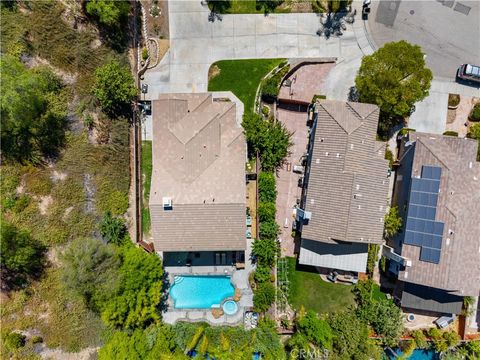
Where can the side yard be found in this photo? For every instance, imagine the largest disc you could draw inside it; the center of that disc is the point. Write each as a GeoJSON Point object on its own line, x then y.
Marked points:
{"type": "Point", "coordinates": [147, 180]}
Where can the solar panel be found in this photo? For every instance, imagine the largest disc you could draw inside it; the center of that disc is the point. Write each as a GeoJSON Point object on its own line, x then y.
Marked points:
{"type": "Point", "coordinates": [421, 229]}
{"type": "Point", "coordinates": [431, 172]}
{"type": "Point", "coordinates": [430, 255]}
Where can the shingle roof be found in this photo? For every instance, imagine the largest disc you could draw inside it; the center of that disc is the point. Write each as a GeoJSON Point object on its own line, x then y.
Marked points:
{"type": "Point", "coordinates": [347, 185]}
{"type": "Point", "coordinates": [458, 207]}
{"type": "Point", "coordinates": [199, 162]}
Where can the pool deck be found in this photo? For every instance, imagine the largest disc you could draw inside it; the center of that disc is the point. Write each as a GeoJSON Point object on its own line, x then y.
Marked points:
{"type": "Point", "coordinates": [239, 279]}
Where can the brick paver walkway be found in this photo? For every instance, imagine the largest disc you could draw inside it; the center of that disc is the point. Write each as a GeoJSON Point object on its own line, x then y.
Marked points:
{"type": "Point", "coordinates": [307, 81]}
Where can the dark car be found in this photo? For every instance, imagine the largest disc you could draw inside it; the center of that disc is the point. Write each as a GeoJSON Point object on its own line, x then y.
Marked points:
{"type": "Point", "coordinates": [469, 72]}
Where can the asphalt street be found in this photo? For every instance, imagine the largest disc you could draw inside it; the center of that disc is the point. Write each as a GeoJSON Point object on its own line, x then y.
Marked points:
{"type": "Point", "coordinates": [448, 31]}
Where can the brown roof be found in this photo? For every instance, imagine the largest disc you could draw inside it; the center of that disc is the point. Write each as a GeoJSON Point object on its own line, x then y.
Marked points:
{"type": "Point", "coordinates": [347, 186]}
{"type": "Point", "coordinates": [458, 207]}
{"type": "Point", "coordinates": [199, 155]}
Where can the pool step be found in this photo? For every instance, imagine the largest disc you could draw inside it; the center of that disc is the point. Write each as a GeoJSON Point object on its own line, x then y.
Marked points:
{"type": "Point", "coordinates": [178, 279]}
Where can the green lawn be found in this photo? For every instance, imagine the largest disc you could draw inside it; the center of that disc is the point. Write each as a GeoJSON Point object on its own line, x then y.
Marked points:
{"type": "Point", "coordinates": [147, 180]}
{"type": "Point", "coordinates": [307, 289]}
{"type": "Point", "coordinates": [249, 7]}
{"type": "Point", "coordinates": [242, 77]}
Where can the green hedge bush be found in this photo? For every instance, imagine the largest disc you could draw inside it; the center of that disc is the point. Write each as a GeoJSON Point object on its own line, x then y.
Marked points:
{"type": "Point", "coordinates": [475, 114]}
{"type": "Point", "coordinates": [266, 187]}
{"type": "Point", "coordinates": [264, 296]}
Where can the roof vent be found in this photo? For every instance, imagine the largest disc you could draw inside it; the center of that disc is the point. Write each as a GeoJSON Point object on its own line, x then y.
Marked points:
{"type": "Point", "coordinates": [357, 187]}
{"type": "Point", "coordinates": [167, 203]}
{"type": "Point", "coordinates": [470, 164]}
{"type": "Point", "coordinates": [317, 161]}
{"type": "Point", "coordinates": [338, 155]}
{"type": "Point", "coordinates": [321, 140]}
{"type": "Point", "coordinates": [312, 201]}
{"type": "Point", "coordinates": [448, 241]}
{"type": "Point", "coordinates": [351, 146]}
{"type": "Point", "coordinates": [359, 207]}
{"type": "Point", "coordinates": [450, 232]}
{"type": "Point", "coordinates": [326, 153]}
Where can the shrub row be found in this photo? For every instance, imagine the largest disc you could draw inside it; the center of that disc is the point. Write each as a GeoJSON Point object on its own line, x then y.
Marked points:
{"type": "Point", "coordinates": [266, 248]}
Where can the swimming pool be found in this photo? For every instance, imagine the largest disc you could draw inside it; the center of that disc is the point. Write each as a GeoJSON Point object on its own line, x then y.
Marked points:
{"type": "Point", "coordinates": [418, 354]}
{"type": "Point", "coordinates": [200, 292]}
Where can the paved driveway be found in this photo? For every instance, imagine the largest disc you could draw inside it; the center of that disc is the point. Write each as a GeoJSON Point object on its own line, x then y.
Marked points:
{"type": "Point", "coordinates": [195, 43]}
{"type": "Point", "coordinates": [447, 30]}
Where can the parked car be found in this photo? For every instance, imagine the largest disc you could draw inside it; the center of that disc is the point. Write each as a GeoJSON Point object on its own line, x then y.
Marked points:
{"type": "Point", "coordinates": [469, 72]}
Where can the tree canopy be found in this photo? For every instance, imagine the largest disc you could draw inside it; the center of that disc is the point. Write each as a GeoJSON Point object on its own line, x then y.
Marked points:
{"type": "Point", "coordinates": [382, 315]}
{"type": "Point", "coordinates": [136, 303]}
{"type": "Point", "coordinates": [33, 118]}
{"type": "Point", "coordinates": [350, 337]}
{"type": "Point", "coordinates": [394, 78]}
{"type": "Point", "coordinates": [114, 87]}
{"type": "Point", "coordinates": [316, 330]}
{"type": "Point", "coordinates": [91, 270]}
{"type": "Point", "coordinates": [21, 257]}
{"type": "Point", "coordinates": [109, 12]}
{"type": "Point", "coordinates": [270, 138]}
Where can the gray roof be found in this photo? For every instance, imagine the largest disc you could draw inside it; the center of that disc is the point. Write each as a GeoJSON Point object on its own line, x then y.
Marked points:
{"type": "Point", "coordinates": [199, 154]}
{"type": "Point", "coordinates": [430, 299]}
{"type": "Point", "coordinates": [341, 256]}
{"type": "Point", "coordinates": [347, 185]}
{"type": "Point", "coordinates": [458, 207]}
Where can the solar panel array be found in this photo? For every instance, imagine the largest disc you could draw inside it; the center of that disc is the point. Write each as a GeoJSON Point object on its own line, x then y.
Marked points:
{"type": "Point", "coordinates": [421, 228]}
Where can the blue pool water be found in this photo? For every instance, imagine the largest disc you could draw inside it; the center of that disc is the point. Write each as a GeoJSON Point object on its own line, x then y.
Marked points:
{"type": "Point", "coordinates": [419, 354]}
{"type": "Point", "coordinates": [230, 307]}
{"type": "Point", "coordinates": [200, 292]}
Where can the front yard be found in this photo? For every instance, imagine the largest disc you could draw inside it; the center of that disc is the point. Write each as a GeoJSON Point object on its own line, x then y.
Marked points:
{"type": "Point", "coordinates": [307, 289]}
{"type": "Point", "coordinates": [241, 77]}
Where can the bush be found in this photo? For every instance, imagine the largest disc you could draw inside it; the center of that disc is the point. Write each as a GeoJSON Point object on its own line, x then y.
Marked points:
{"type": "Point", "coordinates": [453, 100]}
{"type": "Point", "coordinates": [144, 54]}
{"type": "Point", "coordinates": [317, 6]}
{"type": "Point", "coordinates": [114, 87]}
{"type": "Point", "coordinates": [420, 339]}
{"type": "Point", "coordinates": [262, 273]}
{"type": "Point", "coordinates": [265, 110]}
{"type": "Point", "coordinates": [266, 187]}
{"type": "Point", "coordinates": [316, 330]}
{"type": "Point", "coordinates": [264, 296]}
{"type": "Point", "coordinates": [109, 13]}
{"type": "Point", "coordinates": [271, 86]}
{"type": "Point", "coordinates": [265, 250]}
{"type": "Point", "coordinates": [475, 114]}
{"type": "Point", "coordinates": [269, 230]}
{"type": "Point", "coordinates": [372, 257]}
{"type": "Point", "coordinates": [389, 157]}
{"type": "Point", "coordinates": [451, 133]}
{"type": "Point", "coordinates": [113, 229]}
{"type": "Point", "coordinates": [21, 256]}
{"type": "Point", "coordinates": [14, 341]}
{"type": "Point", "coordinates": [267, 211]}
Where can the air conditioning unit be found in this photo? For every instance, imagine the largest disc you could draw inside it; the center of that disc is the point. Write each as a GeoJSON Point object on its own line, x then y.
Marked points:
{"type": "Point", "coordinates": [167, 202]}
